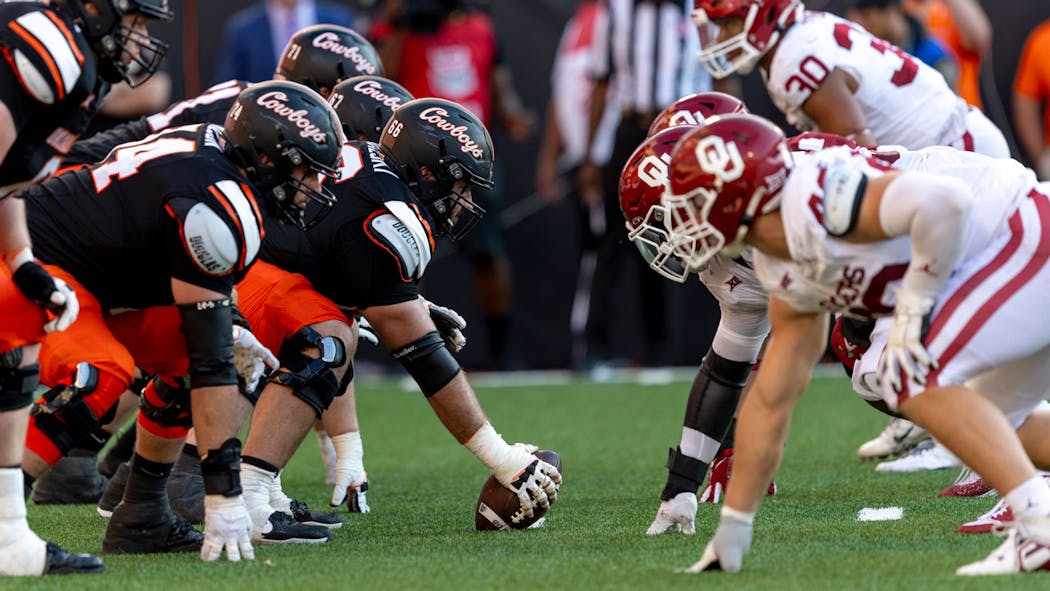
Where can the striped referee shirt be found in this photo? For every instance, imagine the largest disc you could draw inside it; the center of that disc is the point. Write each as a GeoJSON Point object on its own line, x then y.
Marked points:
{"type": "Point", "coordinates": [647, 51]}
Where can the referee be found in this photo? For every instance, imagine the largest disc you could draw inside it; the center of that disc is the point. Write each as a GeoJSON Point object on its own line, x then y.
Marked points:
{"type": "Point", "coordinates": [643, 59]}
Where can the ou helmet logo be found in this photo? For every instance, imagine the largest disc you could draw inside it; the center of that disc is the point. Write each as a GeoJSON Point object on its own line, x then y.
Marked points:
{"type": "Point", "coordinates": [653, 170]}
{"type": "Point", "coordinates": [720, 158]}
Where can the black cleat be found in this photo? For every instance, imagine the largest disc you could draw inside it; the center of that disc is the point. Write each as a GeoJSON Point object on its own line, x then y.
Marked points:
{"type": "Point", "coordinates": [286, 530]}
{"type": "Point", "coordinates": [114, 492]}
{"type": "Point", "coordinates": [186, 489]}
{"type": "Point", "coordinates": [302, 514]}
{"type": "Point", "coordinates": [59, 562]}
{"type": "Point", "coordinates": [73, 480]}
{"type": "Point", "coordinates": [148, 528]}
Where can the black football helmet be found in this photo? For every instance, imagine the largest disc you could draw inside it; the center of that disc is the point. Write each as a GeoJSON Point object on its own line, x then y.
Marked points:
{"type": "Point", "coordinates": [322, 55]}
{"type": "Point", "coordinates": [112, 41]}
{"type": "Point", "coordinates": [365, 103]}
{"type": "Point", "coordinates": [274, 127]}
{"type": "Point", "coordinates": [453, 145]}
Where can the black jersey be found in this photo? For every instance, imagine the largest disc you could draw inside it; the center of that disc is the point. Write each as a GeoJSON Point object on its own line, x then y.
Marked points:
{"type": "Point", "coordinates": [342, 256]}
{"type": "Point", "coordinates": [49, 81]}
{"type": "Point", "coordinates": [210, 107]}
{"type": "Point", "coordinates": [172, 205]}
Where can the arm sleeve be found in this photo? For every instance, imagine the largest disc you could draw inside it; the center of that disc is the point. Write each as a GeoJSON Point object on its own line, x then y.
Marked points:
{"type": "Point", "coordinates": [98, 146]}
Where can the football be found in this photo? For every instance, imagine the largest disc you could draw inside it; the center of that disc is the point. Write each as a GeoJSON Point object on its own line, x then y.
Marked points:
{"type": "Point", "coordinates": [496, 504]}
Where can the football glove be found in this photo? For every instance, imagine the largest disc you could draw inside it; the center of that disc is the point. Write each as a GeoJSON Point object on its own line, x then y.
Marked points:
{"type": "Point", "coordinates": [351, 480]}
{"type": "Point", "coordinates": [48, 292]}
{"type": "Point", "coordinates": [675, 514]}
{"type": "Point", "coordinates": [365, 332]}
{"type": "Point", "coordinates": [226, 525]}
{"type": "Point", "coordinates": [731, 542]}
{"type": "Point", "coordinates": [251, 358]}
{"type": "Point", "coordinates": [449, 324]}
{"type": "Point", "coordinates": [904, 353]}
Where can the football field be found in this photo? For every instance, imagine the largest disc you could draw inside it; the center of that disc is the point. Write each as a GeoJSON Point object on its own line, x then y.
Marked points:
{"type": "Point", "coordinates": [613, 439]}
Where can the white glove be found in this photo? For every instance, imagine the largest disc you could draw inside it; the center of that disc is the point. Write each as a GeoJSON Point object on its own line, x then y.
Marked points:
{"type": "Point", "coordinates": [226, 525]}
{"type": "Point", "coordinates": [66, 299]}
{"type": "Point", "coordinates": [676, 514]}
{"type": "Point", "coordinates": [731, 542]}
{"type": "Point", "coordinates": [449, 324]}
{"type": "Point", "coordinates": [365, 332]}
{"type": "Point", "coordinates": [904, 352]}
{"type": "Point", "coordinates": [251, 357]}
{"type": "Point", "coordinates": [351, 480]}
{"type": "Point", "coordinates": [534, 481]}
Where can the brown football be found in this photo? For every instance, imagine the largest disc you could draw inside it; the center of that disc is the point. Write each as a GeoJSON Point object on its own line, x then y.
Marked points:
{"type": "Point", "coordinates": [496, 504]}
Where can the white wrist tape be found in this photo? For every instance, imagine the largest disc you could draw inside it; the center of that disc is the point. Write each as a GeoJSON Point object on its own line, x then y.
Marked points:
{"type": "Point", "coordinates": [488, 446]}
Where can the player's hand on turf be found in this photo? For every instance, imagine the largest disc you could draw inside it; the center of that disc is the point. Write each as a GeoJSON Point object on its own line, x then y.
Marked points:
{"type": "Point", "coordinates": [226, 526]}
{"type": "Point", "coordinates": [48, 292]}
{"type": "Point", "coordinates": [449, 324]}
{"type": "Point", "coordinates": [727, 548]}
{"type": "Point", "coordinates": [365, 331]}
{"type": "Point", "coordinates": [354, 492]}
{"type": "Point", "coordinates": [905, 353]}
{"type": "Point", "coordinates": [534, 481]}
{"type": "Point", "coordinates": [250, 357]}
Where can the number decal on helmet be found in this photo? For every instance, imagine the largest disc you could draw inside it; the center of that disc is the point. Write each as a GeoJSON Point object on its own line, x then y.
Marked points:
{"type": "Point", "coordinates": [720, 158]}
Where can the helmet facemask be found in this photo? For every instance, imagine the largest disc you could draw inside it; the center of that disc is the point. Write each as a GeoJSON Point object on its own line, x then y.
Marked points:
{"type": "Point", "coordinates": [284, 186]}
{"type": "Point", "coordinates": [455, 213]}
{"type": "Point", "coordinates": [125, 53]}
{"type": "Point", "coordinates": [652, 240]}
{"type": "Point", "coordinates": [734, 54]}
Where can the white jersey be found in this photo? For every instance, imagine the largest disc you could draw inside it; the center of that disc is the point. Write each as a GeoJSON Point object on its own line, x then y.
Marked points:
{"type": "Point", "coordinates": [733, 282]}
{"type": "Point", "coordinates": [830, 274]}
{"type": "Point", "coordinates": [905, 102]}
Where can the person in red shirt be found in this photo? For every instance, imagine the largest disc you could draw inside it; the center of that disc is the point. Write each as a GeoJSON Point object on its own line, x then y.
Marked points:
{"type": "Point", "coordinates": [445, 49]}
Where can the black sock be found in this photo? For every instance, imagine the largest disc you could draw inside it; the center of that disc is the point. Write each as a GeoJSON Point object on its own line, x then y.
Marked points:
{"type": "Point", "coordinates": [27, 479]}
{"type": "Point", "coordinates": [147, 480]}
{"type": "Point", "coordinates": [728, 440]}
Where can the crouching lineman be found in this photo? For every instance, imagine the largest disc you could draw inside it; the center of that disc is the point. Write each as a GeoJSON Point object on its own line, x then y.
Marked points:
{"type": "Point", "coordinates": [176, 221]}
{"type": "Point", "coordinates": [59, 63]}
{"type": "Point", "coordinates": [369, 253]}
{"type": "Point", "coordinates": [955, 257]}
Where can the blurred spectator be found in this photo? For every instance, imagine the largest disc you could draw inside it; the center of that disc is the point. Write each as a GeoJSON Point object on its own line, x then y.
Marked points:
{"type": "Point", "coordinates": [965, 29]}
{"type": "Point", "coordinates": [887, 20]}
{"type": "Point", "coordinates": [564, 147]}
{"type": "Point", "coordinates": [1032, 100]}
{"type": "Point", "coordinates": [644, 59]}
{"type": "Point", "coordinates": [124, 103]}
{"type": "Point", "coordinates": [448, 49]}
{"type": "Point", "coordinates": [254, 38]}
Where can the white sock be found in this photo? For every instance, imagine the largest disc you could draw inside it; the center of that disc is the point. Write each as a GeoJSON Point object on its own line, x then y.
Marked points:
{"type": "Point", "coordinates": [22, 552]}
{"type": "Point", "coordinates": [256, 484]}
{"type": "Point", "coordinates": [278, 500]}
{"type": "Point", "coordinates": [1031, 498]}
{"type": "Point", "coordinates": [698, 446]}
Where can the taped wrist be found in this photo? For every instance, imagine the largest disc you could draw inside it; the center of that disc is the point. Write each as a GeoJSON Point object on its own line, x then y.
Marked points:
{"type": "Point", "coordinates": [429, 362]}
{"type": "Point", "coordinates": [684, 474]}
{"type": "Point", "coordinates": [207, 327]}
{"type": "Point", "coordinates": [221, 469]}
{"type": "Point", "coordinates": [17, 383]}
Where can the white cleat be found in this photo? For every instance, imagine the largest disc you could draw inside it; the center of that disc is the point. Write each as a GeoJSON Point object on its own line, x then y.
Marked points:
{"type": "Point", "coordinates": [676, 514]}
{"type": "Point", "coordinates": [899, 437]}
{"type": "Point", "coordinates": [1018, 554]}
{"type": "Point", "coordinates": [931, 456]}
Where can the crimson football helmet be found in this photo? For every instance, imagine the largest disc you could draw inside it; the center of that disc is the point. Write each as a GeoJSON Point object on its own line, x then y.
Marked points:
{"type": "Point", "coordinates": [642, 184]}
{"type": "Point", "coordinates": [735, 34]}
{"type": "Point", "coordinates": [693, 109]}
{"type": "Point", "coordinates": [721, 177]}
{"type": "Point", "coordinates": [322, 55]}
{"type": "Point", "coordinates": [112, 41]}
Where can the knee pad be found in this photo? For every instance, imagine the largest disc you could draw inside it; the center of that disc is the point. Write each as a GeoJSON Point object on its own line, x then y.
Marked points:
{"type": "Point", "coordinates": [165, 410]}
{"type": "Point", "coordinates": [63, 416]}
{"type": "Point", "coordinates": [312, 380]}
{"type": "Point", "coordinates": [429, 362]}
{"type": "Point", "coordinates": [17, 383]}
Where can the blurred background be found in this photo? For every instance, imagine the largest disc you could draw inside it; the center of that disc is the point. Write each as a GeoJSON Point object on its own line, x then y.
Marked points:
{"type": "Point", "coordinates": [542, 236]}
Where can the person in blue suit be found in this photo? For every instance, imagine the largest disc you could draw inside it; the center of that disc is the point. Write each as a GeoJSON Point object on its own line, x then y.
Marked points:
{"type": "Point", "coordinates": [254, 38]}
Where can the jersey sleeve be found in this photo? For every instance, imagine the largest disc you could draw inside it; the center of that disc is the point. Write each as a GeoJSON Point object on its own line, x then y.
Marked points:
{"type": "Point", "coordinates": [97, 147]}
{"type": "Point", "coordinates": [210, 107]}
{"type": "Point", "coordinates": [43, 55]}
{"type": "Point", "coordinates": [804, 58]}
{"type": "Point", "coordinates": [370, 275]}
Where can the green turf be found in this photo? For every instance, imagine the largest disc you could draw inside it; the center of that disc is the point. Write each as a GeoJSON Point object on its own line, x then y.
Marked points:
{"type": "Point", "coordinates": [613, 441]}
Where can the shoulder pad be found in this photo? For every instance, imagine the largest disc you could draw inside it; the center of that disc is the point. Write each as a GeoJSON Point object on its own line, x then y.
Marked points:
{"type": "Point", "coordinates": [44, 55]}
{"type": "Point", "coordinates": [844, 188]}
{"type": "Point", "coordinates": [225, 235]}
{"type": "Point", "coordinates": [401, 231]}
